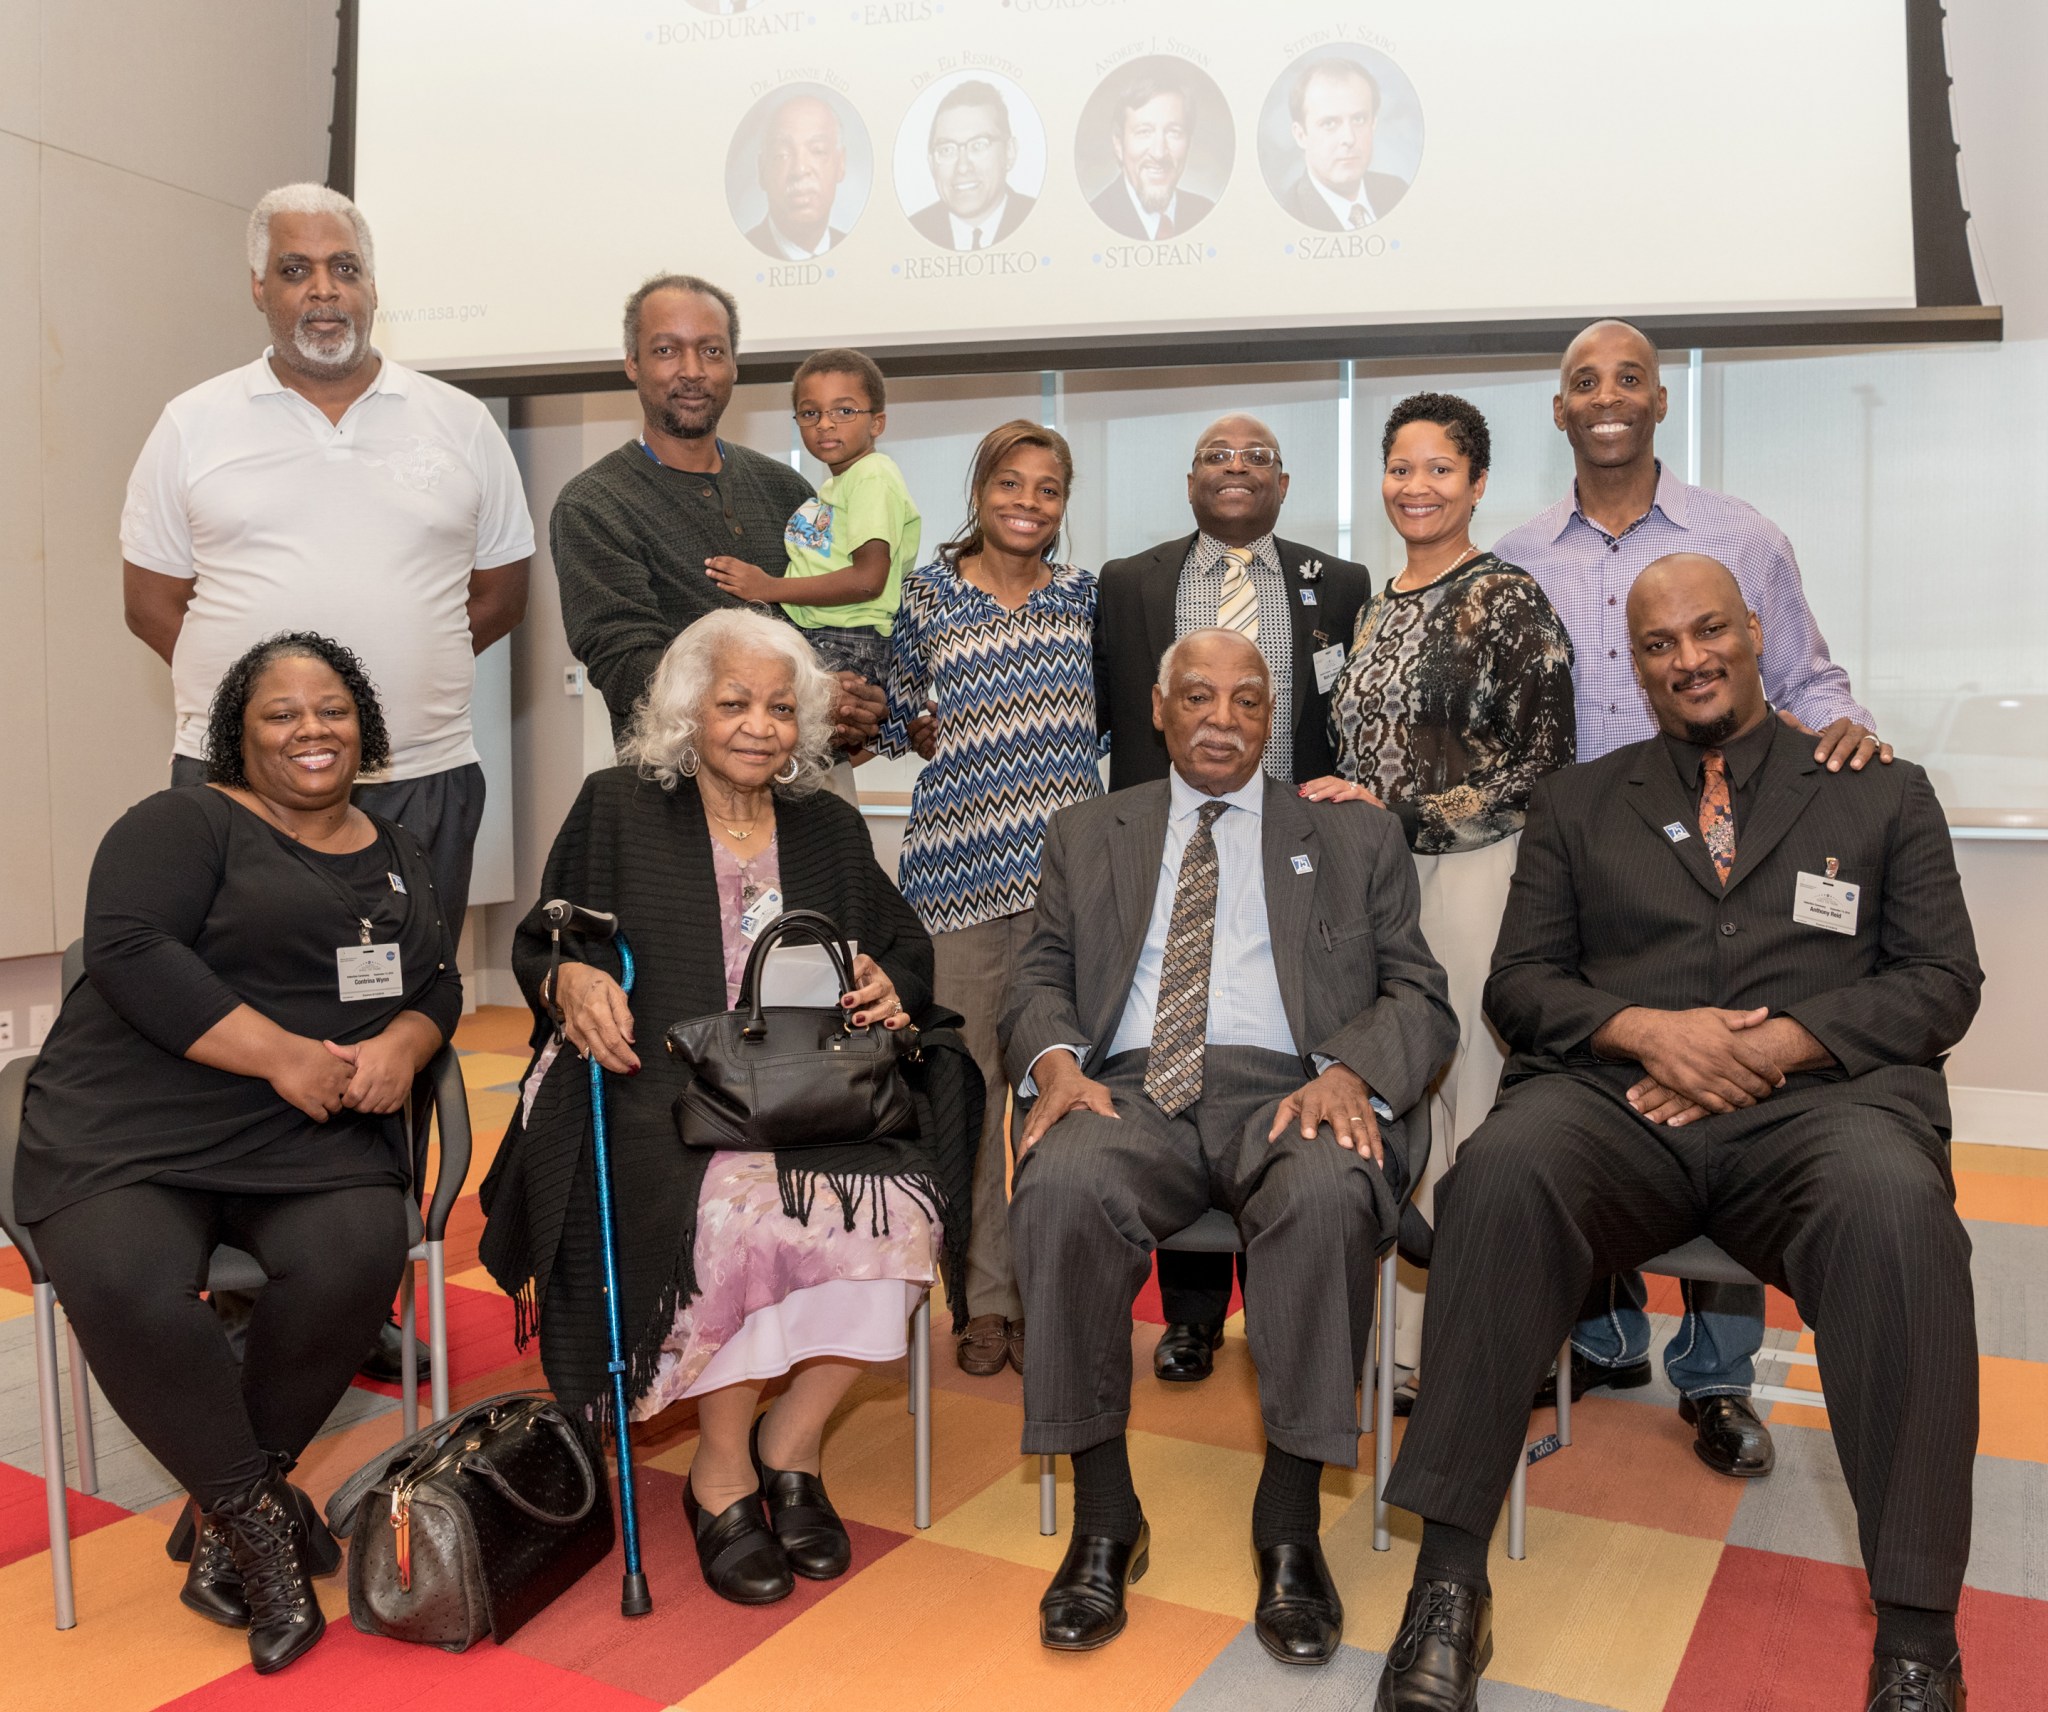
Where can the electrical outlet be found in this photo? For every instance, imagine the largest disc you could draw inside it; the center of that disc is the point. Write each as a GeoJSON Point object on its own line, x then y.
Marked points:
{"type": "Point", "coordinates": [6, 1031]}
{"type": "Point", "coordinates": [39, 1019]}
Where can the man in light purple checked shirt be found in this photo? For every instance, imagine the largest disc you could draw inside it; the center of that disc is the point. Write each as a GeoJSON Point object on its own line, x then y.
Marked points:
{"type": "Point", "coordinates": [1626, 511]}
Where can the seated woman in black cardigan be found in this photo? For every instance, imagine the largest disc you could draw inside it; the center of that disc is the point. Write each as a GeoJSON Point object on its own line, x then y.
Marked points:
{"type": "Point", "coordinates": [266, 972]}
{"type": "Point", "coordinates": [735, 1267]}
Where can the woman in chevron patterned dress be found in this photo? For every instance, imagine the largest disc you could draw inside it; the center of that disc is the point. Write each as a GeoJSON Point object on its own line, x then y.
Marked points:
{"type": "Point", "coordinates": [994, 647]}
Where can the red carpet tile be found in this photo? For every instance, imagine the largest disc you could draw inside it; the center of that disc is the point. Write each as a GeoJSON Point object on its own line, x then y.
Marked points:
{"type": "Point", "coordinates": [691, 1634]}
{"type": "Point", "coordinates": [352, 1672]}
{"type": "Point", "coordinates": [1796, 1634]}
{"type": "Point", "coordinates": [479, 1335]}
{"type": "Point", "coordinates": [24, 1522]}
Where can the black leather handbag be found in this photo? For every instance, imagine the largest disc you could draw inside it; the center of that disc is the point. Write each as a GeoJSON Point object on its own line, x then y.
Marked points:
{"type": "Point", "coordinates": [787, 1076]}
{"type": "Point", "coordinates": [472, 1525]}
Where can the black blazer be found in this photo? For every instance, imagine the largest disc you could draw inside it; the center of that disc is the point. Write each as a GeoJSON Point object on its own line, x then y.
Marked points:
{"type": "Point", "coordinates": [1382, 190]}
{"type": "Point", "coordinates": [1607, 911]}
{"type": "Point", "coordinates": [1134, 602]}
{"type": "Point", "coordinates": [931, 222]}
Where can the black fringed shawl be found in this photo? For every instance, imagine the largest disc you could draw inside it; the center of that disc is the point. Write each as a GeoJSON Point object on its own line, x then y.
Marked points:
{"type": "Point", "coordinates": [644, 853]}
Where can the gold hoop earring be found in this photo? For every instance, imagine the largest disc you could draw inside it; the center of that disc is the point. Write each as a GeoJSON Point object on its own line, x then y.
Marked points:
{"type": "Point", "coordinates": [788, 776]}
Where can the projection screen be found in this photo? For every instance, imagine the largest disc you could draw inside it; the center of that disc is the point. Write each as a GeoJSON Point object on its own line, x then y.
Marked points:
{"type": "Point", "coordinates": [944, 174]}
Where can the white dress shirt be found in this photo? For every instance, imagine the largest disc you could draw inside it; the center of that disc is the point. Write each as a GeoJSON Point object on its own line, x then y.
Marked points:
{"type": "Point", "coordinates": [1341, 206]}
{"type": "Point", "coordinates": [1146, 218]}
{"type": "Point", "coordinates": [797, 252]}
{"type": "Point", "coordinates": [988, 226]}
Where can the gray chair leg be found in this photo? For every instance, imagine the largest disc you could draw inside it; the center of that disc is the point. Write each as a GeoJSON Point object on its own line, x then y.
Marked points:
{"type": "Point", "coordinates": [81, 1412]}
{"type": "Point", "coordinates": [1518, 1509]}
{"type": "Point", "coordinates": [921, 1390]}
{"type": "Point", "coordinates": [1048, 1498]}
{"type": "Point", "coordinates": [437, 1304]}
{"type": "Point", "coordinates": [1564, 1393]}
{"type": "Point", "coordinates": [1383, 1425]}
{"type": "Point", "coordinates": [50, 1411]}
{"type": "Point", "coordinates": [409, 1360]}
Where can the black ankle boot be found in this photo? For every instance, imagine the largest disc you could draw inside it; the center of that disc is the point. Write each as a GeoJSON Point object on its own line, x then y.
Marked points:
{"type": "Point", "coordinates": [323, 1550]}
{"type": "Point", "coordinates": [213, 1585]}
{"type": "Point", "coordinates": [269, 1544]}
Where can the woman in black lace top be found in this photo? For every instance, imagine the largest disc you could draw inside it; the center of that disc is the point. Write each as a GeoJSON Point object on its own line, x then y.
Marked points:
{"type": "Point", "coordinates": [1456, 699]}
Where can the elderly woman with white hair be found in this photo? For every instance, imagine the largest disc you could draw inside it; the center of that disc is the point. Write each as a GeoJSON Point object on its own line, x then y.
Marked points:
{"type": "Point", "coordinates": [734, 1268]}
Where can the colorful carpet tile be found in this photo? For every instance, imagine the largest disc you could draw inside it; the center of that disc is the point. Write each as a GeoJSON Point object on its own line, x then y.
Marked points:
{"type": "Point", "coordinates": [1650, 1584]}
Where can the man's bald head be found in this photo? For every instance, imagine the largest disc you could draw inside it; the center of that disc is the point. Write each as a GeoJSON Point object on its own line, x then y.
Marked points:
{"type": "Point", "coordinates": [1615, 333]}
{"type": "Point", "coordinates": [1609, 402]}
{"type": "Point", "coordinates": [1697, 649]}
{"type": "Point", "coordinates": [1234, 499]}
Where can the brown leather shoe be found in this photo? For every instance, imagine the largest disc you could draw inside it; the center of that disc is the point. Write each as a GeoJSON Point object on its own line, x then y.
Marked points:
{"type": "Point", "coordinates": [984, 1348]}
{"type": "Point", "coordinates": [1015, 1340]}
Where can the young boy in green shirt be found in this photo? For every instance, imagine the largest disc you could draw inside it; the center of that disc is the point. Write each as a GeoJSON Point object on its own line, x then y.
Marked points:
{"type": "Point", "coordinates": [849, 547]}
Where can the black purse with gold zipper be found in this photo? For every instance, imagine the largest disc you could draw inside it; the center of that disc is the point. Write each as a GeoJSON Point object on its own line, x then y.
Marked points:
{"type": "Point", "coordinates": [473, 1524]}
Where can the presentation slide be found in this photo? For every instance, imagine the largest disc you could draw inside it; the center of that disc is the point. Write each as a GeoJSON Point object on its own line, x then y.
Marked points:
{"type": "Point", "coordinates": [919, 173]}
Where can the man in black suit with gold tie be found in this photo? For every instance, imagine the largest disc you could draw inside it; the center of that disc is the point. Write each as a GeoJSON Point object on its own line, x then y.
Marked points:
{"type": "Point", "coordinates": [1727, 977]}
{"type": "Point", "coordinates": [1297, 605]}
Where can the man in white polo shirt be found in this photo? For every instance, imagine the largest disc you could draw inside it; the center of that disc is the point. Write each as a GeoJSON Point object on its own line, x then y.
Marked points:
{"type": "Point", "coordinates": [325, 487]}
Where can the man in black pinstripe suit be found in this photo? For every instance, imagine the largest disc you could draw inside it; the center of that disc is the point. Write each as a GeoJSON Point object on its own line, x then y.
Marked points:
{"type": "Point", "coordinates": [1727, 977]}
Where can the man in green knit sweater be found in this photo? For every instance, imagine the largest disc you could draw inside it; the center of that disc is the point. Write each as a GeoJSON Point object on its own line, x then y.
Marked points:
{"type": "Point", "coordinates": [630, 535]}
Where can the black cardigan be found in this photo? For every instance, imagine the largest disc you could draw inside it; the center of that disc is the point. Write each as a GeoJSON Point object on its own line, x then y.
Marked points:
{"type": "Point", "coordinates": [644, 853]}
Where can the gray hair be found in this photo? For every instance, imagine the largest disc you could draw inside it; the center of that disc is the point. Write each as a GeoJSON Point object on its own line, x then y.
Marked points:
{"type": "Point", "coordinates": [668, 717]}
{"type": "Point", "coordinates": [306, 199]}
{"type": "Point", "coordinates": [1171, 658]}
{"type": "Point", "coordinates": [689, 282]}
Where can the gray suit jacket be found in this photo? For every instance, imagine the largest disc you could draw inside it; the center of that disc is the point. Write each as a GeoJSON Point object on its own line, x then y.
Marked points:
{"type": "Point", "coordinates": [1607, 911]}
{"type": "Point", "coordinates": [1358, 982]}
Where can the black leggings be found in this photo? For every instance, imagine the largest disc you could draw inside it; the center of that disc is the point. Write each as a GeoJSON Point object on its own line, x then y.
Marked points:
{"type": "Point", "coordinates": [129, 1266]}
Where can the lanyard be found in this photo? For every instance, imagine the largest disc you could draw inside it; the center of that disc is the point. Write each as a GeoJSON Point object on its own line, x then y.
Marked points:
{"type": "Point", "coordinates": [365, 926]}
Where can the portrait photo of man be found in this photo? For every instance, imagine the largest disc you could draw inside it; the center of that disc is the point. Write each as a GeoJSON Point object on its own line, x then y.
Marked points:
{"type": "Point", "coordinates": [798, 172]}
{"type": "Point", "coordinates": [1334, 109]}
{"type": "Point", "coordinates": [800, 169]}
{"type": "Point", "coordinates": [1157, 116]}
{"type": "Point", "coordinates": [972, 153]}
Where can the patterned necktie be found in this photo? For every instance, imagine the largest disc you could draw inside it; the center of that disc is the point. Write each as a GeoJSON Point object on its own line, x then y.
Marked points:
{"type": "Point", "coordinates": [1237, 607]}
{"type": "Point", "coordinates": [1717, 813]}
{"type": "Point", "coordinates": [1180, 1018]}
{"type": "Point", "coordinates": [1357, 216]}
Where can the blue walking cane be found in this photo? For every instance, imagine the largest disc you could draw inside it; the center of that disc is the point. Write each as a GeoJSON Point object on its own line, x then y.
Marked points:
{"type": "Point", "coordinates": [562, 916]}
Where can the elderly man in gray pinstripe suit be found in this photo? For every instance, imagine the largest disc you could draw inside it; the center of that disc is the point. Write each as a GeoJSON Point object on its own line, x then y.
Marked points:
{"type": "Point", "coordinates": [1727, 977]}
{"type": "Point", "coordinates": [1226, 1002]}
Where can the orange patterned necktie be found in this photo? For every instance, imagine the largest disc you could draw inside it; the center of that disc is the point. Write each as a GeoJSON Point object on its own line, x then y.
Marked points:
{"type": "Point", "coordinates": [1717, 813]}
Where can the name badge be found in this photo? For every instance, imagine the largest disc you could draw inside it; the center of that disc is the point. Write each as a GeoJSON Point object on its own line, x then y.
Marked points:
{"type": "Point", "coordinates": [760, 913]}
{"type": "Point", "coordinates": [368, 972]}
{"type": "Point", "coordinates": [1819, 901]}
{"type": "Point", "coordinates": [1328, 662]}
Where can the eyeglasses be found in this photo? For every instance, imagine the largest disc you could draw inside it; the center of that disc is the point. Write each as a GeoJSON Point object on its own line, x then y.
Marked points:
{"type": "Point", "coordinates": [838, 413]}
{"type": "Point", "coordinates": [1252, 457]}
{"type": "Point", "coordinates": [978, 149]}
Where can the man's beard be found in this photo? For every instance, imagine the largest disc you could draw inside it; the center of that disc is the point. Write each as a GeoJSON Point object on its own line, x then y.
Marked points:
{"type": "Point", "coordinates": [1714, 732]}
{"type": "Point", "coordinates": [671, 424]}
{"type": "Point", "coordinates": [333, 361]}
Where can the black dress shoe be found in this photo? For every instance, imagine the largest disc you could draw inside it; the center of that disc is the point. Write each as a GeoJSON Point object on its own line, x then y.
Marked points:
{"type": "Point", "coordinates": [1593, 1376]}
{"type": "Point", "coordinates": [1084, 1607]}
{"type": "Point", "coordinates": [1300, 1619]}
{"type": "Point", "coordinates": [1728, 1437]}
{"type": "Point", "coordinates": [1186, 1354]}
{"type": "Point", "coordinates": [1444, 1647]}
{"type": "Point", "coordinates": [269, 1545]}
{"type": "Point", "coordinates": [385, 1362]}
{"type": "Point", "coordinates": [812, 1535]}
{"type": "Point", "coordinates": [741, 1560]}
{"type": "Point", "coordinates": [213, 1585]}
{"type": "Point", "coordinates": [1904, 1685]}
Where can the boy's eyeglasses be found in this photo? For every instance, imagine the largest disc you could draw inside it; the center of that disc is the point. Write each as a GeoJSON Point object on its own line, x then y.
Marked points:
{"type": "Point", "coordinates": [838, 413]}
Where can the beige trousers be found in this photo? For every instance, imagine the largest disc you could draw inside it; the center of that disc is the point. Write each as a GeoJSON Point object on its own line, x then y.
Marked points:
{"type": "Point", "coordinates": [1464, 895]}
{"type": "Point", "coordinates": [972, 972]}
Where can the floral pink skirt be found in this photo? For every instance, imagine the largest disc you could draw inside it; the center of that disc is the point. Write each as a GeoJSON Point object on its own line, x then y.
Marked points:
{"type": "Point", "coordinates": [773, 1292]}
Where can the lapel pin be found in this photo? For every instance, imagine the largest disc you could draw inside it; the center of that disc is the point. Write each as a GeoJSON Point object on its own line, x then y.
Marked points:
{"type": "Point", "coordinates": [1308, 596]}
{"type": "Point", "coordinates": [1834, 867]}
{"type": "Point", "coordinates": [1676, 832]}
{"type": "Point", "coordinates": [1302, 865]}
{"type": "Point", "coordinates": [1311, 570]}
